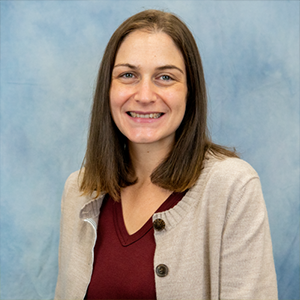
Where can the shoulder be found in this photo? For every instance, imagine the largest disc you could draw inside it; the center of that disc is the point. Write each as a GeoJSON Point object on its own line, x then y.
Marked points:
{"type": "Point", "coordinates": [229, 169]}
{"type": "Point", "coordinates": [225, 178]}
{"type": "Point", "coordinates": [73, 197]}
{"type": "Point", "coordinates": [73, 181]}
{"type": "Point", "coordinates": [230, 182]}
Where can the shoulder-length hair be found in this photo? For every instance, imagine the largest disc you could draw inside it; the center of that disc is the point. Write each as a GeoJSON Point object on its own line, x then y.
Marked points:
{"type": "Point", "coordinates": [107, 165]}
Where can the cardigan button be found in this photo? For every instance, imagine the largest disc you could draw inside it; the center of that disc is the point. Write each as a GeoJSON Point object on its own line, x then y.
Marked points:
{"type": "Point", "coordinates": [162, 270]}
{"type": "Point", "coordinates": [159, 224]}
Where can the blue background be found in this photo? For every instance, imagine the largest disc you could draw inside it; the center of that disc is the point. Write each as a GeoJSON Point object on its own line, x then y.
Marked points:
{"type": "Point", "coordinates": [50, 53]}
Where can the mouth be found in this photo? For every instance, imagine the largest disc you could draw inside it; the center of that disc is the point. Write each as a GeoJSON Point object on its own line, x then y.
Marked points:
{"type": "Point", "coordinates": [145, 116]}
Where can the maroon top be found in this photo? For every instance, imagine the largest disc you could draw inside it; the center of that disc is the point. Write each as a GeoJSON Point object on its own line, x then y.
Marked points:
{"type": "Point", "coordinates": [123, 263]}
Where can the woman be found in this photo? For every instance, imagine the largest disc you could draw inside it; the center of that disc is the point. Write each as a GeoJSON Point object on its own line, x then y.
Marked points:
{"type": "Point", "coordinates": [158, 211]}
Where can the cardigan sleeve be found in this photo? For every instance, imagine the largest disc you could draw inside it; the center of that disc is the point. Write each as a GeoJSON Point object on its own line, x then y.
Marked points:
{"type": "Point", "coordinates": [77, 238]}
{"type": "Point", "coordinates": [246, 262]}
{"type": "Point", "coordinates": [69, 281]}
{"type": "Point", "coordinates": [60, 284]}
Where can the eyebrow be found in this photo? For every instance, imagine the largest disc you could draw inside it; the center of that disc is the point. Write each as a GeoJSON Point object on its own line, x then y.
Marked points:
{"type": "Point", "coordinates": [126, 65]}
{"type": "Point", "coordinates": [159, 68]}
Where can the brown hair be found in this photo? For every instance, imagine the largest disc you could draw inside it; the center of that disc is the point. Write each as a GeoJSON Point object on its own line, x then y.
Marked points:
{"type": "Point", "coordinates": [107, 165]}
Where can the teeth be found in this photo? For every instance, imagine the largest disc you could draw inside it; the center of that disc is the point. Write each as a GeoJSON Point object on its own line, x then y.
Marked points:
{"type": "Point", "coordinates": [145, 116]}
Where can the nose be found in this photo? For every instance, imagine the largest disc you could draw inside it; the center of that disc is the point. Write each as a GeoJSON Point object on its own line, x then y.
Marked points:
{"type": "Point", "coordinates": [146, 91]}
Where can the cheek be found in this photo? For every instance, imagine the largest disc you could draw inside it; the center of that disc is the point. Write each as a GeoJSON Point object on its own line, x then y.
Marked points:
{"type": "Point", "coordinates": [113, 103]}
{"type": "Point", "coordinates": [119, 93]}
{"type": "Point", "coordinates": [178, 99]}
{"type": "Point", "coordinates": [181, 107]}
{"type": "Point", "coordinates": [114, 95]}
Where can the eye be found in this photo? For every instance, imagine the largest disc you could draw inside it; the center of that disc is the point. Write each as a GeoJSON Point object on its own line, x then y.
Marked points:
{"type": "Point", "coordinates": [165, 80]}
{"type": "Point", "coordinates": [166, 77]}
{"type": "Point", "coordinates": [127, 75]}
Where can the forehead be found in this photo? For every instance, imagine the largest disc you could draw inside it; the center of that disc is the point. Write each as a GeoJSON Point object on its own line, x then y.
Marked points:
{"type": "Point", "coordinates": [156, 47]}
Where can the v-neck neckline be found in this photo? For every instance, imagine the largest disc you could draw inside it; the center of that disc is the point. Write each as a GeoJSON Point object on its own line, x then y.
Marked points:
{"type": "Point", "coordinates": [125, 238]}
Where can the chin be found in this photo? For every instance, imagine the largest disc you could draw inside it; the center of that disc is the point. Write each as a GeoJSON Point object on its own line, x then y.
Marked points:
{"type": "Point", "coordinates": [142, 141]}
{"type": "Point", "coordinates": [152, 140]}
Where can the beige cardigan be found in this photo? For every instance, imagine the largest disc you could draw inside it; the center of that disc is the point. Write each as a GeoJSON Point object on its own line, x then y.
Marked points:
{"type": "Point", "coordinates": [216, 243]}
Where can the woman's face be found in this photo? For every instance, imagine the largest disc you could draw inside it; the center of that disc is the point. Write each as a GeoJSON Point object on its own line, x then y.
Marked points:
{"type": "Point", "coordinates": [148, 90]}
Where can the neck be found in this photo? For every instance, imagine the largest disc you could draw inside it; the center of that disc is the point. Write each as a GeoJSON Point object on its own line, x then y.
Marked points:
{"type": "Point", "coordinates": [146, 157]}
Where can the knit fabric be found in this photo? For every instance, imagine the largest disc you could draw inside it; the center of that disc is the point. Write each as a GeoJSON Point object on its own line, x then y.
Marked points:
{"type": "Point", "coordinates": [216, 242]}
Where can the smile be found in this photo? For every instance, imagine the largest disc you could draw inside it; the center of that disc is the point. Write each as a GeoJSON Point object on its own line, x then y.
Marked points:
{"type": "Point", "coordinates": [145, 116]}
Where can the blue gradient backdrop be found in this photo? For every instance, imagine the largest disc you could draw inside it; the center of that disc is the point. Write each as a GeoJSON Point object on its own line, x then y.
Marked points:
{"type": "Point", "coordinates": [50, 53]}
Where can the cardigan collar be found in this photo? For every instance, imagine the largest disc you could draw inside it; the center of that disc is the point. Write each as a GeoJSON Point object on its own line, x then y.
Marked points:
{"type": "Point", "coordinates": [92, 208]}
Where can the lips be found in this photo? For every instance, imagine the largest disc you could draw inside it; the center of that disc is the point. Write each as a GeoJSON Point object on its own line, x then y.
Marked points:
{"type": "Point", "coordinates": [144, 116]}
